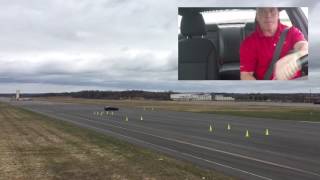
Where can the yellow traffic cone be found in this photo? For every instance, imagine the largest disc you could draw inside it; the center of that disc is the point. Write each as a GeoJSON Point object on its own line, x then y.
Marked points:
{"type": "Point", "coordinates": [267, 132]}
{"type": "Point", "coordinates": [141, 118]}
{"type": "Point", "coordinates": [229, 127]}
{"type": "Point", "coordinates": [247, 134]}
{"type": "Point", "coordinates": [210, 128]}
{"type": "Point", "coordinates": [127, 118]}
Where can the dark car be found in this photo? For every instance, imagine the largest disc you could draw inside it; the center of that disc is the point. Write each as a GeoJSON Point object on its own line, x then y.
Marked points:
{"type": "Point", "coordinates": [316, 102]}
{"type": "Point", "coordinates": [210, 39]}
{"type": "Point", "coordinates": [110, 108]}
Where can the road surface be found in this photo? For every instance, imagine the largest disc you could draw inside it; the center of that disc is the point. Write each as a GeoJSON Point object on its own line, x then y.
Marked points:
{"type": "Point", "coordinates": [290, 151]}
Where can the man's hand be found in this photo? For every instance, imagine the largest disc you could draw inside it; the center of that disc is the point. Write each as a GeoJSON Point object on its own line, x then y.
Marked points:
{"type": "Point", "coordinates": [247, 76]}
{"type": "Point", "coordinates": [287, 66]}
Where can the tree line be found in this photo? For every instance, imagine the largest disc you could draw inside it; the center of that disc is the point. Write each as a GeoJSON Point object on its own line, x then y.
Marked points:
{"type": "Point", "coordinates": [130, 94]}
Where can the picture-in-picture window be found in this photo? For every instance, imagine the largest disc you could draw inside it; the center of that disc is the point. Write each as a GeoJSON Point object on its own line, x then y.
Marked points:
{"type": "Point", "coordinates": [241, 43]}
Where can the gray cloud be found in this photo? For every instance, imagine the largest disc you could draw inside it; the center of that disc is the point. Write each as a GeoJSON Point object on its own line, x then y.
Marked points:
{"type": "Point", "coordinates": [86, 24]}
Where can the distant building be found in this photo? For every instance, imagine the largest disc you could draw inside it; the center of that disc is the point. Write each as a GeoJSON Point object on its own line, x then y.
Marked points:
{"type": "Point", "coordinates": [191, 97]}
{"type": "Point", "coordinates": [223, 98]}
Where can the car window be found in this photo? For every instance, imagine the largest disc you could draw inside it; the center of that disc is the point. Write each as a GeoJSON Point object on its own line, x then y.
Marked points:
{"type": "Point", "coordinates": [284, 18]}
{"type": "Point", "coordinates": [305, 11]}
{"type": "Point", "coordinates": [228, 16]}
{"type": "Point", "coordinates": [238, 16]}
{"type": "Point", "coordinates": [179, 21]}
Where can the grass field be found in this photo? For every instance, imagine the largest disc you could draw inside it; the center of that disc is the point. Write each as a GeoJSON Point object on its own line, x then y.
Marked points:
{"type": "Point", "coordinates": [301, 112]}
{"type": "Point", "coordinates": [33, 146]}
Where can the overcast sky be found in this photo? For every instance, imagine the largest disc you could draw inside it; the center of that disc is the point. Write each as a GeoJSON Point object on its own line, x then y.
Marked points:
{"type": "Point", "coordinates": [72, 45]}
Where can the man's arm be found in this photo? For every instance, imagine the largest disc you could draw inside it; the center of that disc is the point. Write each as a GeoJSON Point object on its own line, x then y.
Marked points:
{"type": "Point", "coordinates": [247, 76]}
{"type": "Point", "coordinates": [301, 48]}
{"type": "Point", "coordinates": [286, 67]}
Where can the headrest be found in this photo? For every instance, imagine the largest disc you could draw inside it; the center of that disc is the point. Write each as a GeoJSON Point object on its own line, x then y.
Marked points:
{"type": "Point", "coordinates": [192, 25]}
{"type": "Point", "coordinates": [212, 27]}
{"type": "Point", "coordinates": [250, 26]}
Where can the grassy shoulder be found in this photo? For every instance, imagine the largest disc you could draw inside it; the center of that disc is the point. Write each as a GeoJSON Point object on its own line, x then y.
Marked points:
{"type": "Point", "coordinates": [246, 109]}
{"type": "Point", "coordinates": [38, 147]}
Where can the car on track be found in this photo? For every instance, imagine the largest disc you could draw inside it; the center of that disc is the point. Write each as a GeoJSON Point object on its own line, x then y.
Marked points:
{"type": "Point", "coordinates": [316, 101]}
{"type": "Point", "coordinates": [111, 108]}
{"type": "Point", "coordinates": [210, 37]}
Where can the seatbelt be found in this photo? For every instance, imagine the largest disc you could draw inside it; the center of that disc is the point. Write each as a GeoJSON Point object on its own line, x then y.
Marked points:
{"type": "Point", "coordinates": [276, 54]}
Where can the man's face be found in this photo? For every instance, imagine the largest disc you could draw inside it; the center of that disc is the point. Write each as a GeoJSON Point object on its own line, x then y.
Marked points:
{"type": "Point", "coordinates": [268, 18]}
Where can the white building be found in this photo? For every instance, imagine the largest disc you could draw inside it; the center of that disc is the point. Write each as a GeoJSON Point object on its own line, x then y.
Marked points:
{"type": "Point", "coordinates": [223, 98]}
{"type": "Point", "coordinates": [191, 97]}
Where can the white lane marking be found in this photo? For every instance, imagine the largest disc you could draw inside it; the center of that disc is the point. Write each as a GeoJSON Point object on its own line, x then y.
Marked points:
{"type": "Point", "coordinates": [254, 126]}
{"type": "Point", "coordinates": [311, 122]}
{"type": "Point", "coordinates": [161, 147]}
{"type": "Point", "coordinates": [214, 141]}
{"type": "Point", "coordinates": [207, 148]}
{"type": "Point", "coordinates": [203, 139]}
{"type": "Point", "coordinates": [212, 149]}
{"type": "Point", "coordinates": [226, 166]}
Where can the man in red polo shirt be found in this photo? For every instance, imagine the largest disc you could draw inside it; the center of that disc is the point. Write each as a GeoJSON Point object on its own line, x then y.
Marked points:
{"type": "Point", "coordinates": [257, 50]}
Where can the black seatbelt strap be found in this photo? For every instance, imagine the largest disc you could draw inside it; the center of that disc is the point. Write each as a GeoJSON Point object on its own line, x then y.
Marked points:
{"type": "Point", "coordinates": [276, 54]}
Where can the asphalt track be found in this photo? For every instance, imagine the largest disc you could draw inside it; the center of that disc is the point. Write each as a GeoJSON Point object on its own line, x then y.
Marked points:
{"type": "Point", "coordinates": [290, 151]}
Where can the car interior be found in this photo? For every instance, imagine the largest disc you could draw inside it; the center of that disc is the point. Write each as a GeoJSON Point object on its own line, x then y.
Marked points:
{"type": "Point", "coordinates": [211, 51]}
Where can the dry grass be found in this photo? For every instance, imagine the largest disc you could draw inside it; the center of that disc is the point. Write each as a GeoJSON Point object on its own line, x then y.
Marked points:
{"type": "Point", "coordinates": [33, 146]}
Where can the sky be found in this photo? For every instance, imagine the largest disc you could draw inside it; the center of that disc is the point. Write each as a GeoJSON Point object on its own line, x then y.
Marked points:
{"type": "Point", "coordinates": [74, 45]}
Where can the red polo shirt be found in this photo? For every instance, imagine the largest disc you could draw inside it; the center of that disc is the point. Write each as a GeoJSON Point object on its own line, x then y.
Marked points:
{"type": "Point", "coordinates": [256, 51]}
